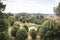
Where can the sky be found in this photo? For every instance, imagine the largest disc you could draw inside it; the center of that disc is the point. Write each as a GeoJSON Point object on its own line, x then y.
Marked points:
{"type": "Point", "coordinates": [30, 6]}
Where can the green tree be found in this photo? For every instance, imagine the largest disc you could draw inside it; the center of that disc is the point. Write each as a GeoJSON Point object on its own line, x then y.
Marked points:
{"type": "Point", "coordinates": [4, 36]}
{"type": "Point", "coordinates": [14, 31]}
{"type": "Point", "coordinates": [3, 25]}
{"type": "Point", "coordinates": [2, 8]}
{"type": "Point", "coordinates": [33, 34]}
{"type": "Point", "coordinates": [21, 34]}
{"type": "Point", "coordinates": [38, 29]}
{"type": "Point", "coordinates": [26, 27]}
{"type": "Point", "coordinates": [8, 14]}
{"type": "Point", "coordinates": [49, 30]}
{"type": "Point", "coordinates": [57, 10]}
{"type": "Point", "coordinates": [3, 21]}
{"type": "Point", "coordinates": [11, 20]}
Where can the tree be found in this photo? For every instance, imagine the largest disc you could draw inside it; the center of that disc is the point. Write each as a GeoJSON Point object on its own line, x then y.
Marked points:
{"type": "Point", "coordinates": [57, 10]}
{"type": "Point", "coordinates": [4, 36]}
{"type": "Point", "coordinates": [2, 7]}
{"type": "Point", "coordinates": [21, 34]}
{"type": "Point", "coordinates": [26, 27]}
{"type": "Point", "coordinates": [3, 25]}
{"type": "Point", "coordinates": [8, 14]}
{"type": "Point", "coordinates": [33, 34]}
{"type": "Point", "coordinates": [14, 31]}
{"type": "Point", "coordinates": [11, 20]}
{"type": "Point", "coordinates": [3, 21]}
{"type": "Point", "coordinates": [49, 30]}
{"type": "Point", "coordinates": [38, 29]}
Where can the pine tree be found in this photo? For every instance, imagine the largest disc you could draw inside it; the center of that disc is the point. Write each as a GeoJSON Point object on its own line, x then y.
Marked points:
{"type": "Point", "coordinates": [3, 24]}
{"type": "Point", "coordinates": [57, 10]}
{"type": "Point", "coordinates": [3, 21]}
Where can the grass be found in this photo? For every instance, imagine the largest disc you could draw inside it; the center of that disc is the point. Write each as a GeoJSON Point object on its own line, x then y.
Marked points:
{"type": "Point", "coordinates": [21, 25]}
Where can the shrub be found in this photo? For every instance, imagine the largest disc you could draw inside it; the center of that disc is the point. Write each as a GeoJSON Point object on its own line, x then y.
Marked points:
{"type": "Point", "coordinates": [14, 31]}
{"type": "Point", "coordinates": [11, 20]}
{"type": "Point", "coordinates": [38, 29]}
{"type": "Point", "coordinates": [33, 34]}
{"type": "Point", "coordinates": [21, 34]}
{"type": "Point", "coordinates": [26, 27]}
{"type": "Point", "coordinates": [12, 23]}
{"type": "Point", "coordinates": [4, 36]}
{"type": "Point", "coordinates": [3, 25]}
{"type": "Point", "coordinates": [50, 30]}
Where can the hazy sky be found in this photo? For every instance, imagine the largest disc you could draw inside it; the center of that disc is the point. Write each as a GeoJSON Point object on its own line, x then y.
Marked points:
{"type": "Point", "coordinates": [30, 6]}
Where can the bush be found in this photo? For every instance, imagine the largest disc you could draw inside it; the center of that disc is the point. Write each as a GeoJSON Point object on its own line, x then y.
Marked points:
{"type": "Point", "coordinates": [11, 23]}
{"type": "Point", "coordinates": [33, 34]}
{"type": "Point", "coordinates": [26, 27]}
{"type": "Point", "coordinates": [3, 25]}
{"type": "Point", "coordinates": [38, 29]}
{"type": "Point", "coordinates": [21, 34]}
{"type": "Point", "coordinates": [4, 36]}
{"type": "Point", "coordinates": [11, 20]}
{"type": "Point", "coordinates": [14, 31]}
{"type": "Point", "coordinates": [50, 30]}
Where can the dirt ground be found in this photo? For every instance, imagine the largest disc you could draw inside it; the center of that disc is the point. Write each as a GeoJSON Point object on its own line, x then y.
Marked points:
{"type": "Point", "coordinates": [37, 38]}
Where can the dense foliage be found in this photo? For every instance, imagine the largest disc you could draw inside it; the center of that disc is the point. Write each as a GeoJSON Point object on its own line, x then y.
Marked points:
{"type": "Point", "coordinates": [4, 36]}
{"type": "Point", "coordinates": [57, 10]}
{"type": "Point", "coordinates": [26, 27]}
{"type": "Point", "coordinates": [21, 34]}
{"type": "Point", "coordinates": [50, 30]}
{"type": "Point", "coordinates": [14, 31]}
{"type": "Point", "coordinates": [32, 18]}
{"type": "Point", "coordinates": [3, 21]}
{"type": "Point", "coordinates": [8, 14]}
{"type": "Point", "coordinates": [3, 25]}
{"type": "Point", "coordinates": [38, 29]}
{"type": "Point", "coordinates": [11, 20]}
{"type": "Point", "coordinates": [33, 34]}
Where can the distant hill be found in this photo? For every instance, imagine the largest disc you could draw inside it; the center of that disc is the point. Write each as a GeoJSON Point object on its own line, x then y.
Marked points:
{"type": "Point", "coordinates": [35, 14]}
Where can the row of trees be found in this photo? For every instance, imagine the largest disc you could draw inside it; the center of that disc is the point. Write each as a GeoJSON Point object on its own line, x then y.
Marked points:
{"type": "Point", "coordinates": [49, 30]}
{"type": "Point", "coordinates": [22, 33]}
{"type": "Point", "coordinates": [32, 19]}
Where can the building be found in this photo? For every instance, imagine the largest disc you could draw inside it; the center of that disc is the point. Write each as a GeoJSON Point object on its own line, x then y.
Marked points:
{"type": "Point", "coordinates": [52, 17]}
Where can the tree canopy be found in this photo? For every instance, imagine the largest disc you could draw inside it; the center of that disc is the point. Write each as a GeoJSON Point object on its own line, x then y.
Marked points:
{"type": "Point", "coordinates": [57, 10]}
{"type": "Point", "coordinates": [3, 21]}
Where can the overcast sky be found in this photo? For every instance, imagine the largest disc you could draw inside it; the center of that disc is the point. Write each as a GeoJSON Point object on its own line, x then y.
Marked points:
{"type": "Point", "coordinates": [30, 6]}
